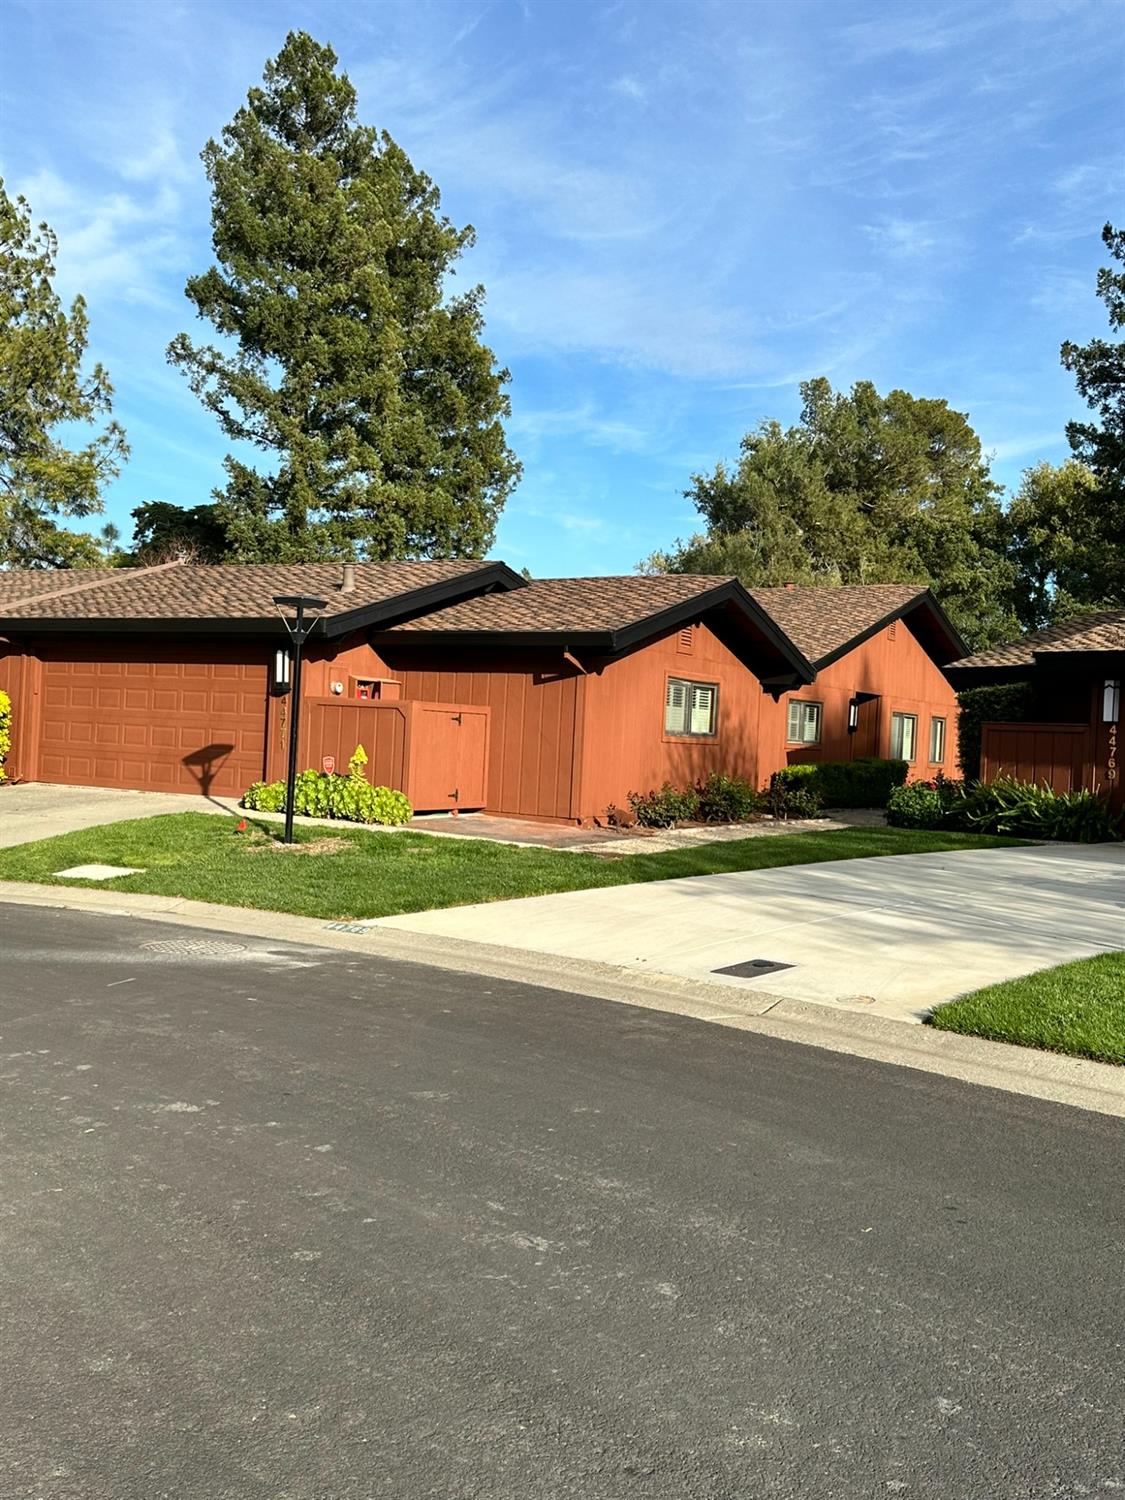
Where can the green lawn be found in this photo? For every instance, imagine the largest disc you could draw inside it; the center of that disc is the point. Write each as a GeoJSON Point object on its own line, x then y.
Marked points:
{"type": "Point", "coordinates": [348, 872]}
{"type": "Point", "coordinates": [1077, 1008]}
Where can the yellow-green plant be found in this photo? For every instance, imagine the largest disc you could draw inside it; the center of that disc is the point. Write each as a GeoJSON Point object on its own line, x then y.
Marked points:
{"type": "Point", "coordinates": [5, 731]}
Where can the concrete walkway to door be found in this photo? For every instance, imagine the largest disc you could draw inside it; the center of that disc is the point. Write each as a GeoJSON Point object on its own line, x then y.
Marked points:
{"type": "Point", "coordinates": [893, 936]}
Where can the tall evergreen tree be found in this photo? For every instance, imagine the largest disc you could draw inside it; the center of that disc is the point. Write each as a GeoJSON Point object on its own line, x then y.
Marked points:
{"type": "Point", "coordinates": [864, 489]}
{"type": "Point", "coordinates": [43, 385]}
{"type": "Point", "coordinates": [1097, 575]}
{"type": "Point", "coordinates": [367, 390]}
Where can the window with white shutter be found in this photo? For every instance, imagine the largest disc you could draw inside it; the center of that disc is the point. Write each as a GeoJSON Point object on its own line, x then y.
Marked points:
{"type": "Point", "coordinates": [691, 708]}
{"type": "Point", "coordinates": [904, 736]}
{"type": "Point", "coordinates": [804, 722]}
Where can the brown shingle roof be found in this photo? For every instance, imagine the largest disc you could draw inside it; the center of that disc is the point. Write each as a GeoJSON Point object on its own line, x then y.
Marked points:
{"type": "Point", "coordinates": [818, 621]}
{"type": "Point", "coordinates": [23, 583]}
{"type": "Point", "coordinates": [568, 606]}
{"type": "Point", "coordinates": [1100, 631]}
{"type": "Point", "coordinates": [223, 592]}
{"type": "Point", "coordinates": [824, 620]}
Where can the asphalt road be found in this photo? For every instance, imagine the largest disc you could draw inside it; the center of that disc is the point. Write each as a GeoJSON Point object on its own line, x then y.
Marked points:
{"type": "Point", "coordinates": [281, 1223]}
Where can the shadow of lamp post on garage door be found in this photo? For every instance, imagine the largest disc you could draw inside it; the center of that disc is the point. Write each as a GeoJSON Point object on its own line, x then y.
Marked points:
{"type": "Point", "coordinates": [287, 677]}
{"type": "Point", "coordinates": [205, 763]}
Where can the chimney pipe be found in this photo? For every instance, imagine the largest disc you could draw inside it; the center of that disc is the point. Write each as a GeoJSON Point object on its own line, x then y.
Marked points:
{"type": "Point", "coordinates": [347, 583]}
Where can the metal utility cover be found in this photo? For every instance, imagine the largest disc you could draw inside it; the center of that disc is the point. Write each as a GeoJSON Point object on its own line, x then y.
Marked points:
{"type": "Point", "coordinates": [753, 968]}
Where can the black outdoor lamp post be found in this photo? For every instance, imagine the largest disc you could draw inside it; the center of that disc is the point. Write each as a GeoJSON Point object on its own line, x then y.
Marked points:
{"type": "Point", "coordinates": [300, 627]}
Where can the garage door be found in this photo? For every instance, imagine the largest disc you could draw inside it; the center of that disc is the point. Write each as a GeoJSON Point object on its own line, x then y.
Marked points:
{"type": "Point", "coordinates": [194, 722]}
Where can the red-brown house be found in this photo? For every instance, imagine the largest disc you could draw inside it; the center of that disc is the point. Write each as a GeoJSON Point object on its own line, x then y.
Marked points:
{"type": "Point", "coordinates": [1076, 670]}
{"type": "Point", "coordinates": [469, 686]}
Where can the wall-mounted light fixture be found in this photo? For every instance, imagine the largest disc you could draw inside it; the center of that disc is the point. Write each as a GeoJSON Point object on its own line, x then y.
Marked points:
{"type": "Point", "coordinates": [855, 703]}
{"type": "Point", "coordinates": [336, 687]}
{"type": "Point", "coordinates": [1111, 700]}
{"type": "Point", "coordinates": [281, 683]}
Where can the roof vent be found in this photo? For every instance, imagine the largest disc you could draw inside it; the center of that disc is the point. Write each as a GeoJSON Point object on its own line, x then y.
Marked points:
{"type": "Point", "coordinates": [790, 586]}
{"type": "Point", "coordinates": [347, 583]}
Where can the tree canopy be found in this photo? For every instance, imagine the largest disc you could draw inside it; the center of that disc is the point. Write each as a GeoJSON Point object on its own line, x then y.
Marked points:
{"type": "Point", "coordinates": [375, 406]}
{"type": "Point", "coordinates": [865, 488]}
{"type": "Point", "coordinates": [42, 386]}
{"type": "Point", "coordinates": [1096, 572]}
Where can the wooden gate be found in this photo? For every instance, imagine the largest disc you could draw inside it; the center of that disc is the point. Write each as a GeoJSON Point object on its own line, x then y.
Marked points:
{"type": "Point", "coordinates": [437, 753]}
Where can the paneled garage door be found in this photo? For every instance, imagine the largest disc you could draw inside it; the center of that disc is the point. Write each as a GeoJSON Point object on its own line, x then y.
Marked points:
{"type": "Point", "coordinates": [194, 722]}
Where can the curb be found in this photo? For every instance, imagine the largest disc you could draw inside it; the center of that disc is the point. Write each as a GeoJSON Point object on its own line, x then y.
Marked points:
{"type": "Point", "coordinates": [1054, 1077]}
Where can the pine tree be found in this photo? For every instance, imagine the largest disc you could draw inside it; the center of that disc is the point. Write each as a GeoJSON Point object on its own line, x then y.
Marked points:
{"type": "Point", "coordinates": [375, 406]}
{"type": "Point", "coordinates": [42, 385]}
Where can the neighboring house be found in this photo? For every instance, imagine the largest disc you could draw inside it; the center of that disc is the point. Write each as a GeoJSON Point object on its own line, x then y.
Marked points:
{"type": "Point", "coordinates": [1076, 671]}
{"type": "Point", "coordinates": [468, 686]}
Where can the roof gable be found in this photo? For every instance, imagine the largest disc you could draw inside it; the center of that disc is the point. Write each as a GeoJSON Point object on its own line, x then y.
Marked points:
{"type": "Point", "coordinates": [829, 620]}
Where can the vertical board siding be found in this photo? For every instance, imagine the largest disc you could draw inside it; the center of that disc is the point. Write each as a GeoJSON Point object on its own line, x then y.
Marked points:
{"type": "Point", "coordinates": [625, 747]}
{"type": "Point", "coordinates": [427, 750]}
{"type": "Point", "coordinates": [532, 699]}
{"type": "Point", "coordinates": [335, 726]}
{"type": "Point", "coordinates": [1059, 754]}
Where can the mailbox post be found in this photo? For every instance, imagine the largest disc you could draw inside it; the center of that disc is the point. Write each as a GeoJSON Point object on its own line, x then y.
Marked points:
{"type": "Point", "coordinates": [300, 627]}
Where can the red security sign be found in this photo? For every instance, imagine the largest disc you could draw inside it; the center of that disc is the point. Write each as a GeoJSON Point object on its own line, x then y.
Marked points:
{"type": "Point", "coordinates": [329, 763]}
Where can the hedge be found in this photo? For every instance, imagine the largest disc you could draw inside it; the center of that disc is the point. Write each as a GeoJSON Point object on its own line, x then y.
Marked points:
{"type": "Point", "coordinates": [1003, 703]}
{"type": "Point", "coordinates": [864, 782]}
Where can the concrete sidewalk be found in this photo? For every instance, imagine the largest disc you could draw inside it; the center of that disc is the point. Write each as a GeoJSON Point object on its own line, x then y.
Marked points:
{"type": "Point", "coordinates": [895, 935]}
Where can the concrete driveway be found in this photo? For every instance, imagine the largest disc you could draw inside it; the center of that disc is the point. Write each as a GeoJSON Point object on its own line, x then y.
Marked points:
{"type": "Point", "coordinates": [893, 936]}
{"type": "Point", "coordinates": [39, 810]}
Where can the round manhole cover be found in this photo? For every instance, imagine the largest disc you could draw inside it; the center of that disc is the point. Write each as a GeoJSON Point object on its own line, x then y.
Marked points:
{"type": "Point", "coordinates": [194, 947]}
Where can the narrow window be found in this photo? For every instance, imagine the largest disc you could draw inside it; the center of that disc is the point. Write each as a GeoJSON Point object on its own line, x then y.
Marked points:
{"type": "Point", "coordinates": [904, 736]}
{"type": "Point", "coordinates": [804, 722]}
{"type": "Point", "coordinates": [937, 741]}
{"type": "Point", "coordinates": [690, 708]}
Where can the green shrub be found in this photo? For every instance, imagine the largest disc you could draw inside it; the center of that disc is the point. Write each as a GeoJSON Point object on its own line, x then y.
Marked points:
{"type": "Point", "coordinates": [265, 796]}
{"type": "Point", "coordinates": [666, 807]}
{"type": "Point", "coordinates": [1022, 809]}
{"type": "Point", "coordinates": [917, 805]}
{"type": "Point", "coordinates": [793, 792]}
{"type": "Point", "coordinates": [1004, 703]}
{"type": "Point", "coordinates": [325, 794]}
{"type": "Point", "coordinates": [1029, 809]}
{"type": "Point", "coordinates": [728, 799]}
{"type": "Point", "coordinates": [5, 731]}
{"type": "Point", "coordinates": [863, 782]}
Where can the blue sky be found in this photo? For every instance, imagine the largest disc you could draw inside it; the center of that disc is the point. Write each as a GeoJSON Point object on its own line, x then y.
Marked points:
{"type": "Point", "coordinates": [682, 210]}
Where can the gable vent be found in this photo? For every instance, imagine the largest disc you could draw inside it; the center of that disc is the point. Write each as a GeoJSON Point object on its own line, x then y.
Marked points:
{"type": "Point", "coordinates": [686, 641]}
{"type": "Point", "coordinates": [892, 630]}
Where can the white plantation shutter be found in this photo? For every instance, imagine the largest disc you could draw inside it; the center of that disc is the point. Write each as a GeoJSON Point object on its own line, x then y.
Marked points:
{"type": "Point", "coordinates": [690, 707]}
{"type": "Point", "coordinates": [804, 722]}
{"type": "Point", "coordinates": [675, 707]}
{"type": "Point", "coordinates": [702, 709]}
